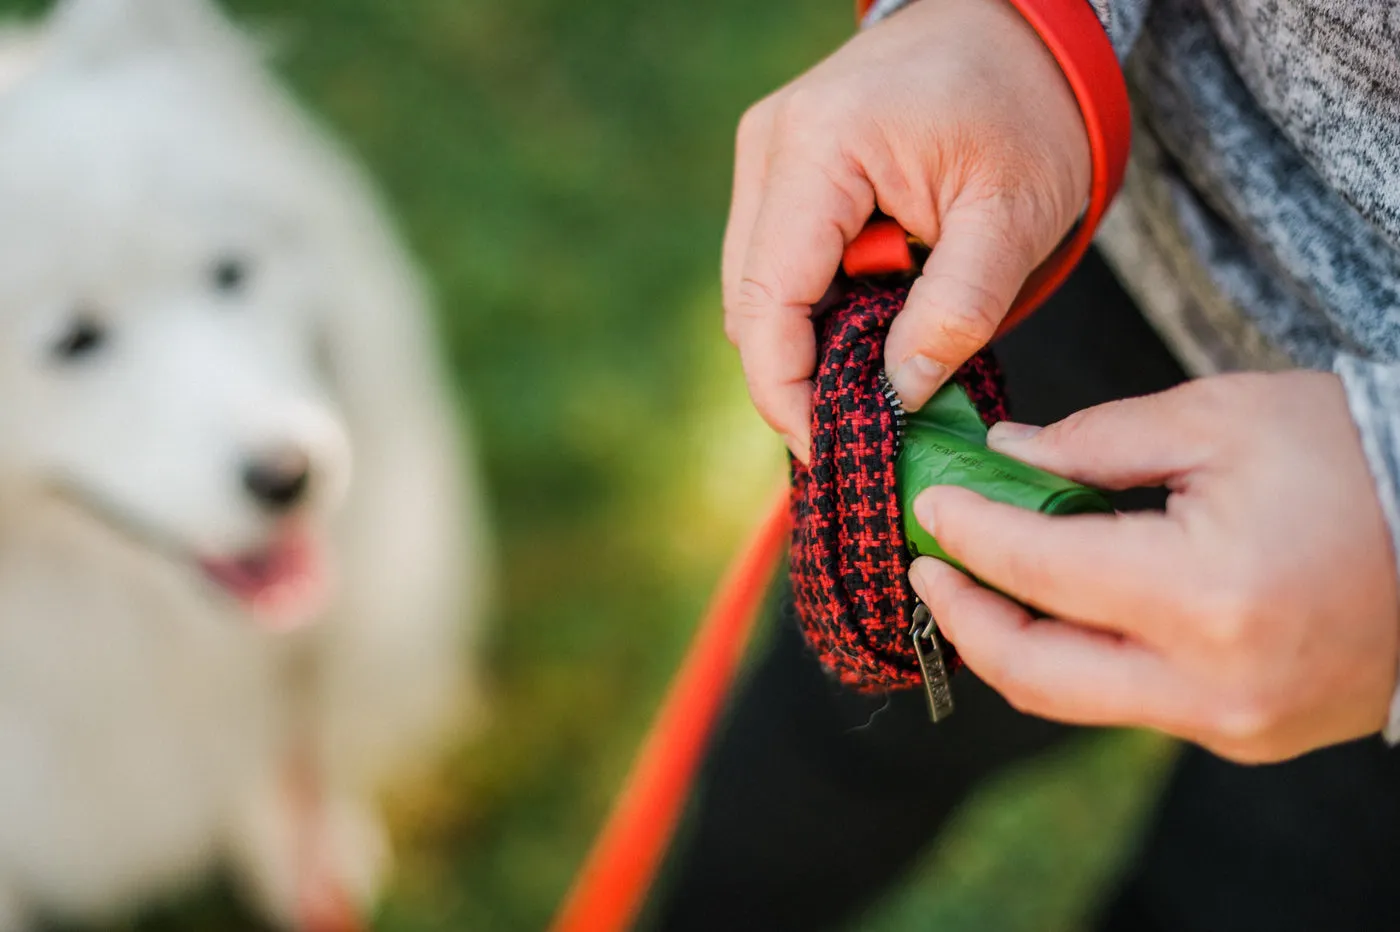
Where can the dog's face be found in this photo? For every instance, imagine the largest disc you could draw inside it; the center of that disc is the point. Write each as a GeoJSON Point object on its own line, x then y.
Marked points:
{"type": "Point", "coordinates": [162, 301]}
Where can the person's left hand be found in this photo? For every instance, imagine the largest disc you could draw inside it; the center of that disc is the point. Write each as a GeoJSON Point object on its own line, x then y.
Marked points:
{"type": "Point", "coordinates": [1257, 616]}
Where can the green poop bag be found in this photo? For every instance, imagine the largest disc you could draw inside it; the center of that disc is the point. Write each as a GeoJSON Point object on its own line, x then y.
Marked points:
{"type": "Point", "coordinates": [945, 443]}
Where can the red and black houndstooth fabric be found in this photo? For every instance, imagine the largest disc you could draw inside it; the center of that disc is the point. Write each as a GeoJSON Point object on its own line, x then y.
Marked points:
{"type": "Point", "coordinates": [849, 560]}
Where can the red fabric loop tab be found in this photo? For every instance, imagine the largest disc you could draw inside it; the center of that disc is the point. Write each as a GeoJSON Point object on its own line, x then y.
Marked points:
{"type": "Point", "coordinates": [1073, 34]}
{"type": "Point", "coordinates": [879, 249]}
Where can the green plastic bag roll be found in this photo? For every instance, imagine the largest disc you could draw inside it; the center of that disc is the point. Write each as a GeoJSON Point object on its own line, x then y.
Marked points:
{"type": "Point", "coordinates": [945, 443]}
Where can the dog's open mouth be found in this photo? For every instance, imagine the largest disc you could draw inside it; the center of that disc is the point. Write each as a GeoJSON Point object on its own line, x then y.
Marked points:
{"type": "Point", "coordinates": [283, 585]}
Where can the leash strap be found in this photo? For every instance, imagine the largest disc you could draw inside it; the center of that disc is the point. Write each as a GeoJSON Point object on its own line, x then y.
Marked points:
{"type": "Point", "coordinates": [614, 881]}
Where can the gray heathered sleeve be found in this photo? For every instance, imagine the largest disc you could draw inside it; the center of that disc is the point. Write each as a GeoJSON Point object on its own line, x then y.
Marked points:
{"type": "Point", "coordinates": [1122, 19]}
{"type": "Point", "coordinates": [1373, 393]}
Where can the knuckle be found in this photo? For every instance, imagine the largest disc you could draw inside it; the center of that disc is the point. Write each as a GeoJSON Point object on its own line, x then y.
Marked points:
{"type": "Point", "coordinates": [803, 106]}
{"type": "Point", "coordinates": [733, 329]}
{"type": "Point", "coordinates": [1223, 395]}
{"type": "Point", "coordinates": [1018, 700]}
{"type": "Point", "coordinates": [1006, 676]}
{"type": "Point", "coordinates": [959, 603]}
{"type": "Point", "coordinates": [1206, 394]}
{"type": "Point", "coordinates": [1026, 569]}
{"type": "Point", "coordinates": [1224, 412]}
{"type": "Point", "coordinates": [967, 316]}
{"type": "Point", "coordinates": [1236, 615]}
{"type": "Point", "coordinates": [1226, 627]}
{"type": "Point", "coordinates": [1075, 430]}
{"type": "Point", "coordinates": [1240, 722]}
{"type": "Point", "coordinates": [1233, 610]}
{"type": "Point", "coordinates": [1025, 697]}
{"type": "Point", "coordinates": [1246, 721]}
{"type": "Point", "coordinates": [991, 665]}
{"type": "Point", "coordinates": [753, 125]}
{"type": "Point", "coordinates": [764, 400]}
{"type": "Point", "coordinates": [841, 174]}
{"type": "Point", "coordinates": [898, 188]}
{"type": "Point", "coordinates": [751, 299]}
{"type": "Point", "coordinates": [814, 117]}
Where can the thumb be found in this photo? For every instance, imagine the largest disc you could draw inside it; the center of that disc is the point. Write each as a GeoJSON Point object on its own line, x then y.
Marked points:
{"type": "Point", "coordinates": [1145, 441]}
{"type": "Point", "coordinates": [972, 275]}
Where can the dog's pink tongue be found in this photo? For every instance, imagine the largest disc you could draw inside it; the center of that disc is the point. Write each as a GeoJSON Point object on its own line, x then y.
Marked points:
{"type": "Point", "coordinates": [283, 585]}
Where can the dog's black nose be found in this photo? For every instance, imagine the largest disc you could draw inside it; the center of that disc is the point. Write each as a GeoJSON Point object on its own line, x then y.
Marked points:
{"type": "Point", "coordinates": [278, 480]}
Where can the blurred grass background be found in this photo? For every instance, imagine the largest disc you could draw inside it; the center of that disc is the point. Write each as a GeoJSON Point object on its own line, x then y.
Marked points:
{"type": "Point", "coordinates": [561, 170]}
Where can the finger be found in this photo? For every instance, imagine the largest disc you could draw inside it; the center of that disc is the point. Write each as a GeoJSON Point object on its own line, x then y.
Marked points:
{"type": "Point", "coordinates": [1045, 667]}
{"type": "Point", "coordinates": [1109, 571]}
{"type": "Point", "coordinates": [750, 171]}
{"type": "Point", "coordinates": [802, 227]}
{"type": "Point", "coordinates": [1146, 441]}
{"type": "Point", "coordinates": [778, 360]}
{"type": "Point", "coordinates": [968, 283]}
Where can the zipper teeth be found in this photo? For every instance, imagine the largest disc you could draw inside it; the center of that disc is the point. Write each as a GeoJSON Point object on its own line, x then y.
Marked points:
{"type": "Point", "coordinates": [896, 406]}
{"type": "Point", "coordinates": [931, 668]}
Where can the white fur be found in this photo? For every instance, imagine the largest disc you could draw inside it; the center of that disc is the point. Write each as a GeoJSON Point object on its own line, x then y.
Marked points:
{"type": "Point", "coordinates": [147, 725]}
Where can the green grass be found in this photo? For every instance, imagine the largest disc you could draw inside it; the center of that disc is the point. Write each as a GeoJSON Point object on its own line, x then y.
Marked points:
{"type": "Point", "coordinates": [561, 169]}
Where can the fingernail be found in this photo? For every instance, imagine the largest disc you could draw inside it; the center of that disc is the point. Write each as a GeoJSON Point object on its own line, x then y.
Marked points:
{"type": "Point", "coordinates": [919, 572]}
{"type": "Point", "coordinates": [923, 576]}
{"type": "Point", "coordinates": [923, 510]}
{"type": "Point", "coordinates": [916, 379]}
{"type": "Point", "coordinates": [1010, 432]}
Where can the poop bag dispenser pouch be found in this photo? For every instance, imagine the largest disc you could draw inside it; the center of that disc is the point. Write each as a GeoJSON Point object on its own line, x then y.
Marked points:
{"type": "Point", "coordinates": [854, 532]}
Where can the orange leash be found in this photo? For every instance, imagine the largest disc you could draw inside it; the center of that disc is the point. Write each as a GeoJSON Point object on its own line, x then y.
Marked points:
{"type": "Point", "coordinates": [610, 889]}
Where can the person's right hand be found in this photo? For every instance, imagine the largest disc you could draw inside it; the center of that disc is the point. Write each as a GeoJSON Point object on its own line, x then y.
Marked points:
{"type": "Point", "coordinates": [952, 118]}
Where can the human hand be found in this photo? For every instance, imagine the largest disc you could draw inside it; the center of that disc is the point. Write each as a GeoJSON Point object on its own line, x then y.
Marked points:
{"type": "Point", "coordinates": [1258, 616]}
{"type": "Point", "coordinates": [952, 118]}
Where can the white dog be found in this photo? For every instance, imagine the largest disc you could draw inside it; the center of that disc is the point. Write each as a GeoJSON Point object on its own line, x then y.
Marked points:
{"type": "Point", "coordinates": [216, 638]}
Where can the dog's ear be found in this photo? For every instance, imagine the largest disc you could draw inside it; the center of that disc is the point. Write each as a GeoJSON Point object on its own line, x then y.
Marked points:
{"type": "Point", "coordinates": [95, 32]}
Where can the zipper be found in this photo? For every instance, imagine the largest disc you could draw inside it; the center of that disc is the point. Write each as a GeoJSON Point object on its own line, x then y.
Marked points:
{"type": "Point", "coordinates": [929, 648]}
{"type": "Point", "coordinates": [886, 388]}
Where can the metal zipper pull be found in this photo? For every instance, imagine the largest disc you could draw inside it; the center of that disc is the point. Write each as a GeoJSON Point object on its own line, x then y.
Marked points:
{"type": "Point", "coordinates": [924, 633]}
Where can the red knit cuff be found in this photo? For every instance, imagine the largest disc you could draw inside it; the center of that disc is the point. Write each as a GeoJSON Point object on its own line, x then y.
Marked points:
{"type": "Point", "coordinates": [1073, 34]}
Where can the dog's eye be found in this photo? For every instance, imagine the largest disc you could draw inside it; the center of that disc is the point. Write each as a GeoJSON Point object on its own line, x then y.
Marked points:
{"type": "Point", "coordinates": [83, 338]}
{"type": "Point", "coordinates": [229, 275]}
